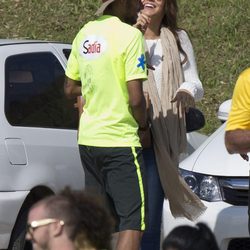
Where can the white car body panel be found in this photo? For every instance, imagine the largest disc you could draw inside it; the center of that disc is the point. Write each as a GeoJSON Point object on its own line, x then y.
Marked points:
{"type": "Point", "coordinates": [32, 156]}
{"type": "Point", "coordinates": [218, 162]}
{"type": "Point", "coordinates": [211, 158]}
{"type": "Point", "coordinates": [226, 221]}
{"type": "Point", "coordinates": [10, 204]}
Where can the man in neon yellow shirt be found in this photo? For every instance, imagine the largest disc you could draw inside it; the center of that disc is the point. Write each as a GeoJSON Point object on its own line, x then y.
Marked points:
{"type": "Point", "coordinates": [237, 137]}
{"type": "Point", "coordinates": [107, 66]}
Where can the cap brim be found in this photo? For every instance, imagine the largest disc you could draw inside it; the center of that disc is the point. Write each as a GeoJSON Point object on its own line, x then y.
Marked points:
{"type": "Point", "coordinates": [103, 7]}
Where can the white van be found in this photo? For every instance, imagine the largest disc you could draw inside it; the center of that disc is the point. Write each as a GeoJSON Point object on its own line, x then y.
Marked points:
{"type": "Point", "coordinates": [221, 180]}
{"type": "Point", "coordinates": [38, 147]}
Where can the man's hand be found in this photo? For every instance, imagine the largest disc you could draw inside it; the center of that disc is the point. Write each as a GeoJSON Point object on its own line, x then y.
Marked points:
{"type": "Point", "coordinates": [72, 88]}
{"type": "Point", "coordinates": [145, 138]}
{"type": "Point", "coordinates": [185, 99]}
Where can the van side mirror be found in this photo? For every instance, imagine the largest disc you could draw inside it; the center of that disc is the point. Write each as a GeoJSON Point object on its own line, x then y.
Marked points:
{"type": "Point", "coordinates": [224, 110]}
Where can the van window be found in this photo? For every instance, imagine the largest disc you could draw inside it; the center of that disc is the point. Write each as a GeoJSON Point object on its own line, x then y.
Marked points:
{"type": "Point", "coordinates": [34, 94]}
{"type": "Point", "coordinates": [66, 53]}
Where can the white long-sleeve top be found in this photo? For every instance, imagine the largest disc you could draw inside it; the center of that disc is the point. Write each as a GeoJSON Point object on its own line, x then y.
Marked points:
{"type": "Point", "coordinates": [191, 83]}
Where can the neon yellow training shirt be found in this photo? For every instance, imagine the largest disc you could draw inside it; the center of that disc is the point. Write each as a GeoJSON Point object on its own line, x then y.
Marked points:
{"type": "Point", "coordinates": [239, 116]}
{"type": "Point", "coordinates": [106, 54]}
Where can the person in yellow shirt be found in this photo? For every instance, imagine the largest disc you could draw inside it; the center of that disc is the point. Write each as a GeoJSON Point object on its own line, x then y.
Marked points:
{"type": "Point", "coordinates": [237, 136]}
{"type": "Point", "coordinates": [107, 66]}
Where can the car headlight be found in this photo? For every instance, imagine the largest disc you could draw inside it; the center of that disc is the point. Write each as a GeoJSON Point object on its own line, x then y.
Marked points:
{"type": "Point", "coordinates": [205, 186]}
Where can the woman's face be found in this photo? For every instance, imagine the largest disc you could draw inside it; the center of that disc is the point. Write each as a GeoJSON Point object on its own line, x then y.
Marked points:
{"type": "Point", "coordinates": [153, 7]}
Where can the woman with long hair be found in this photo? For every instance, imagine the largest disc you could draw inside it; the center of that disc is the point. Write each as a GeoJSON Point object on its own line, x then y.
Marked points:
{"type": "Point", "coordinates": [173, 86]}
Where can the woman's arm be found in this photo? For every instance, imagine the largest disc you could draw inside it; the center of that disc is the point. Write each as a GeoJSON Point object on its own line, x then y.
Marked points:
{"type": "Point", "coordinates": [192, 83]}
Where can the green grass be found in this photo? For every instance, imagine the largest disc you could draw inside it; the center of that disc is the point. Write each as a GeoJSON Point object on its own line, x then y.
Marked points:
{"type": "Point", "coordinates": [220, 32]}
{"type": "Point", "coordinates": [219, 29]}
{"type": "Point", "coordinates": [44, 19]}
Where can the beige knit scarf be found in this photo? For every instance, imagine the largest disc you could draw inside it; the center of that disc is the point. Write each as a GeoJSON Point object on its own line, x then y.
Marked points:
{"type": "Point", "coordinates": [168, 130]}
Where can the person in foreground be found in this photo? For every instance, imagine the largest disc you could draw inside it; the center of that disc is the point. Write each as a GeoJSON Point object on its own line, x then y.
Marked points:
{"type": "Point", "coordinates": [237, 136]}
{"type": "Point", "coordinates": [106, 66]}
{"type": "Point", "coordinates": [173, 86]}
{"type": "Point", "coordinates": [70, 221]}
{"type": "Point", "coordinates": [198, 237]}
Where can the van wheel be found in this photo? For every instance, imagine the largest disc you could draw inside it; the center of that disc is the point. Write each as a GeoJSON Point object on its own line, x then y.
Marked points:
{"type": "Point", "coordinates": [17, 240]}
{"type": "Point", "coordinates": [20, 243]}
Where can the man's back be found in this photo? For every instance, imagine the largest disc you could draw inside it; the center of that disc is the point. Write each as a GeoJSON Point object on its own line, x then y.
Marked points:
{"type": "Point", "coordinates": [107, 61]}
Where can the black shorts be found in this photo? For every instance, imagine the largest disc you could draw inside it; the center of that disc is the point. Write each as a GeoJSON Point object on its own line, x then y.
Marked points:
{"type": "Point", "coordinates": [119, 174]}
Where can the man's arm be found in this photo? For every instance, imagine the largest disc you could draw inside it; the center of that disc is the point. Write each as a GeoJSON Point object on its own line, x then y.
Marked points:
{"type": "Point", "coordinates": [72, 88]}
{"type": "Point", "coordinates": [237, 137]}
{"type": "Point", "coordinates": [137, 102]}
{"type": "Point", "coordinates": [237, 141]}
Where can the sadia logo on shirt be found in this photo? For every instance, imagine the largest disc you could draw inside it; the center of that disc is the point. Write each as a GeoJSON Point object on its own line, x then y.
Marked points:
{"type": "Point", "coordinates": [93, 47]}
{"type": "Point", "coordinates": [89, 48]}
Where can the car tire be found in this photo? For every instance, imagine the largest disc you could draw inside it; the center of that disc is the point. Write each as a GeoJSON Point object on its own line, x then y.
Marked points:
{"type": "Point", "coordinates": [17, 240]}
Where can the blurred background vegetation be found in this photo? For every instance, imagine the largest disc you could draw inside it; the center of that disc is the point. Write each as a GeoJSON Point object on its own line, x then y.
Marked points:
{"type": "Point", "coordinates": [219, 30]}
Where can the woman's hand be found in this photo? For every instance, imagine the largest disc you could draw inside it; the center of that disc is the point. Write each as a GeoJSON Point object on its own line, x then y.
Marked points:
{"type": "Point", "coordinates": [142, 22]}
{"type": "Point", "coordinates": [146, 96]}
{"type": "Point", "coordinates": [185, 99]}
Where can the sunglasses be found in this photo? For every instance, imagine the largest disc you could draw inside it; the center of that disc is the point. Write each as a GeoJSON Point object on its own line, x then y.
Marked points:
{"type": "Point", "coordinates": [39, 223]}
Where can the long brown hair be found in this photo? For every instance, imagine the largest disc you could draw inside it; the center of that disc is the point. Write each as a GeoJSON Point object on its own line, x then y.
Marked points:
{"type": "Point", "coordinates": [170, 21]}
